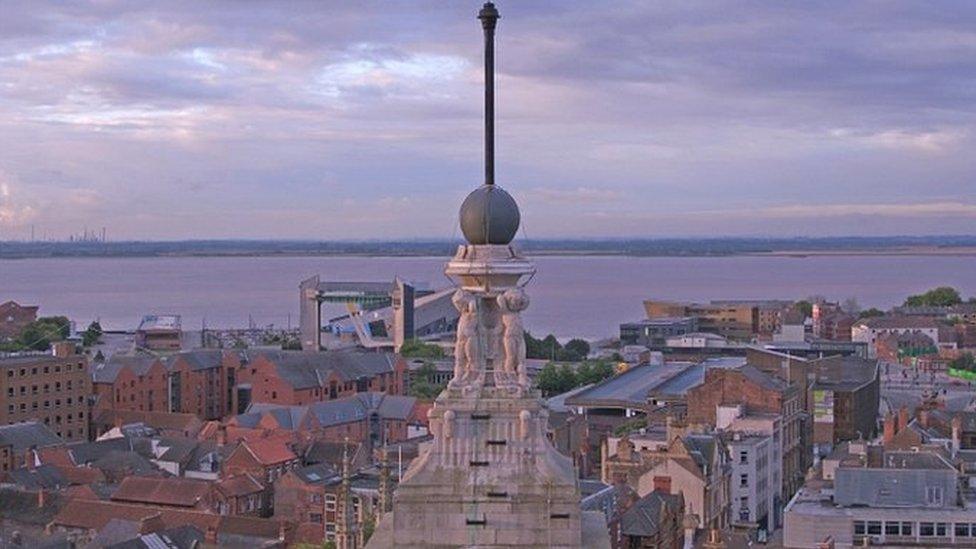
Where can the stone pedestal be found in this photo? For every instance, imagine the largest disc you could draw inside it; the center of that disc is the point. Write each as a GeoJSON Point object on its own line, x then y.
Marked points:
{"type": "Point", "coordinates": [490, 479]}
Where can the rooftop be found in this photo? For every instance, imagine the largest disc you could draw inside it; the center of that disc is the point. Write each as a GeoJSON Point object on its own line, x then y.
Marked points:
{"type": "Point", "coordinates": [24, 436]}
{"type": "Point", "coordinates": [160, 323]}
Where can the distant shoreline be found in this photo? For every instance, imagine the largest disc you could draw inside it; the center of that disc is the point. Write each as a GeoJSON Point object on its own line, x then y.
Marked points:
{"type": "Point", "coordinates": [687, 247]}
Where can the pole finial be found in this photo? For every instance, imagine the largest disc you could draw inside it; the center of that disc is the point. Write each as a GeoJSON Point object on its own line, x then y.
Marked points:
{"type": "Point", "coordinates": [489, 17]}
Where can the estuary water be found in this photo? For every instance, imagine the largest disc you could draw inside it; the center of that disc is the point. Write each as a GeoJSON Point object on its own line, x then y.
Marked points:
{"type": "Point", "coordinates": [587, 296]}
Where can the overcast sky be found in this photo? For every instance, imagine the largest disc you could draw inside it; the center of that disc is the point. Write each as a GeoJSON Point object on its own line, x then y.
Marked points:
{"type": "Point", "coordinates": [338, 119]}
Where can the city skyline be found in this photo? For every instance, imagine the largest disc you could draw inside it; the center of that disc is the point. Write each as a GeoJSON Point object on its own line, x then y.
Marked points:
{"type": "Point", "coordinates": [334, 121]}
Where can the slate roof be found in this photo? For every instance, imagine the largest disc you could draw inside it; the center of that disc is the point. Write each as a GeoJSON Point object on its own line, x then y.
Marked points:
{"type": "Point", "coordinates": [332, 412]}
{"type": "Point", "coordinates": [199, 359]}
{"type": "Point", "coordinates": [846, 374]}
{"type": "Point", "coordinates": [316, 474]}
{"type": "Point", "coordinates": [702, 449]}
{"type": "Point", "coordinates": [304, 370]}
{"type": "Point", "coordinates": [107, 371]}
{"type": "Point", "coordinates": [900, 322]}
{"type": "Point", "coordinates": [763, 379]}
{"type": "Point", "coordinates": [644, 516]}
{"type": "Point", "coordinates": [24, 436]}
{"type": "Point", "coordinates": [330, 453]}
{"type": "Point", "coordinates": [19, 506]}
{"type": "Point", "coordinates": [47, 477]}
{"type": "Point", "coordinates": [84, 453]}
{"type": "Point", "coordinates": [181, 537]}
{"type": "Point", "coordinates": [632, 388]}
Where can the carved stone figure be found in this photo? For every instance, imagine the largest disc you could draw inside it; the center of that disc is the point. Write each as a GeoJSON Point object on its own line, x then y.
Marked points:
{"type": "Point", "coordinates": [511, 303]}
{"type": "Point", "coordinates": [466, 348]}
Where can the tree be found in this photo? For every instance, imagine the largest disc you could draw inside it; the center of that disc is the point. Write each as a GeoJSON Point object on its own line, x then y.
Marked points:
{"type": "Point", "coordinates": [548, 380]}
{"type": "Point", "coordinates": [870, 313]}
{"type": "Point", "coordinates": [422, 383]}
{"type": "Point", "coordinates": [92, 334]}
{"type": "Point", "coordinates": [577, 347]}
{"type": "Point", "coordinates": [965, 361]}
{"type": "Point", "coordinates": [566, 378]}
{"type": "Point", "coordinates": [805, 307]}
{"type": "Point", "coordinates": [851, 306]}
{"type": "Point", "coordinates": [593, 372]}
{"type": "Point", "coordinates": [943, 296]}
{"type": "Point", "coordinates": [414, 348]}
{"type": "Point", "coordinates": [39, 335]}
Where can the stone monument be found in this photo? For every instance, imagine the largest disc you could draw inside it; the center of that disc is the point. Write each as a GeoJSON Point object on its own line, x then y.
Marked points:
{"type": "Point", "coordinates": [490, 478]}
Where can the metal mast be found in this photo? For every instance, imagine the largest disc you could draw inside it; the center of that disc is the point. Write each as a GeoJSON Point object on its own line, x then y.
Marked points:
{"type": "Point", "coordinates": [489, 17]}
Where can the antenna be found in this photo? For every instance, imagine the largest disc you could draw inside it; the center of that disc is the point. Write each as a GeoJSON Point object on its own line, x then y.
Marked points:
{"type": "Point", "coordinates": [489, 17]}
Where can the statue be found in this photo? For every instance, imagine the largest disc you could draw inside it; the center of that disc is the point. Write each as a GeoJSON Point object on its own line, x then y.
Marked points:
{"type": "Point", "coordinates": [466, 348]}
{"type": "Point", "coordinates": [511, 303]}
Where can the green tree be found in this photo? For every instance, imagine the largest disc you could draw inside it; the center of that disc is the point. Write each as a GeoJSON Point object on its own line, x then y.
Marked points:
{"type": "Point", "coordinates": [578, 348]}
{"type": "Point", "coordinates": [943, 296]}
{"type": "Point", "coordinates": [870, 313]}
{"type": "Point", "coordinates": [39, 335]}
{"type": "Point", "coordinates": [566, 378]}
{"type": "Point", "coordinates": [548, 380]}
{"type": "Point", "coordinates": [92, 334]}
{"type": "Point", "coordinates": [414, 348]}
{"type": "Point", "coordinates": [422, 383]}
{"type": "Point", "coordinates": [805, 307]}
{"type": "Point", "coordinates": [965, 361]}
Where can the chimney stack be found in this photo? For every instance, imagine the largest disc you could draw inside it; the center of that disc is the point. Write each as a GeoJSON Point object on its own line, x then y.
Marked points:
{"type": "Point", "coordinates": [890, 428]}
{"type": "Point", "coordinates": [903, 417]}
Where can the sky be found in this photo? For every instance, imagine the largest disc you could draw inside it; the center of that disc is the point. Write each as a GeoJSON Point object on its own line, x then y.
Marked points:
{"type": "Point", "coordinates": [363, 120]}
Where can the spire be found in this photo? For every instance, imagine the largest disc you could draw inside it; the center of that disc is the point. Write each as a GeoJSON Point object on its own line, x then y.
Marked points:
{"type": "Point", "coordinates": [385, 491]}
{"type": "Point", "coordinates": [489, 17]}
{"type": "Point", "coordinates": [345, 521]}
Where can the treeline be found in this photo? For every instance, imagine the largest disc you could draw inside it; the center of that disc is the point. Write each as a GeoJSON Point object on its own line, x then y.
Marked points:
{"type": "Point", "coordinates": [553, 379]}
{"type": "Point", "coordinates": [610, 246]}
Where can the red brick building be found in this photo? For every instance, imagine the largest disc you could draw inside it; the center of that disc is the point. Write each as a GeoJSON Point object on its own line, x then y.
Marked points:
{"type": "Point", "coordinates": [757, 392]}
{"type": "Point", "coordinates": [14, 318]}
{"type": "Point", "coordinates": [240, 495]}
{"type": "Point", "coordinates": [51, 388]}
{"type": "Point", "coordinates": [173, 492]}
{"type": "Point", "coordinates": [297, 378]}
{"type": "Point", "coordinates": [214, 384]}
{"type": "Point", "coordinates": [374, 418]}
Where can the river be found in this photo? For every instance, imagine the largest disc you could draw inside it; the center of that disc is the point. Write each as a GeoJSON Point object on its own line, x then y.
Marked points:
{"type": "Point", "coordinates": [586, 296]}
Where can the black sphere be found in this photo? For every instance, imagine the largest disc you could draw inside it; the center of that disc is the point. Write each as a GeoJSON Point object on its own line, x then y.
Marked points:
{"type": "Point", "coordinates": [489, 215]}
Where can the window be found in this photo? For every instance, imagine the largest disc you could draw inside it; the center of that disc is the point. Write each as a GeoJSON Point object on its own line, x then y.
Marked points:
{"type": "Point", "coordinates": [743, 456]}
{"type": "Point", "coordinates": [330, 502]}
{"type": "Point", "coordinates": [10, 391]}
{"type": "Point", "coordinates": [744, 479]}
{"type": "Point", "coordinates": [941, 529]}
{"type": "Point", "coordinates": [906, 528]}
{"type": "Point", "coordinates": [892, 528]}
{"type": "Point", "coordinates": [962, 529]}
{"type": "Point", "coordinates": [926, 529]}
{"type": "Point", "coordinates": [315, 517]}
{"type": "Point", "coordinates": [860, 527]}
{"type": "Point", "coordinates": [874, 527]}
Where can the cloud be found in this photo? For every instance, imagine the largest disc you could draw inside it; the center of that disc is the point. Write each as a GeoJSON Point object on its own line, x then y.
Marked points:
{"type": "Point", "coordinates": [13, 212]}
{"type": "Point", "coordinates": [584, 195]}
{"type": "Point", "coordinates": [639, 118]}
